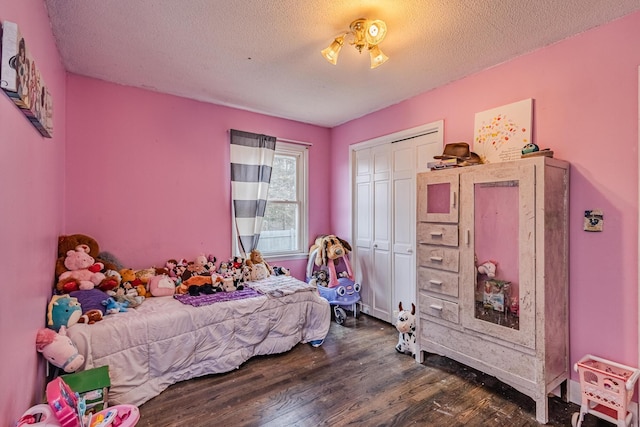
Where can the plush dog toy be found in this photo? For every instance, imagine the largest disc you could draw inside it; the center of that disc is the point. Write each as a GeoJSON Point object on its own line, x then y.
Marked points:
{"type": "Point", "coordinates": [329, 249]}
{"type": "Point", "coordinates": [406, 326]}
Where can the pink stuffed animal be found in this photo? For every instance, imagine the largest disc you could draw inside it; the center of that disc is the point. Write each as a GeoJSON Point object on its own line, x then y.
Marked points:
{"type": "Point", "coordinates": [488, 268]}
{"type": "Point", "coordinates": [83, 269]}
{"type": "Point", "coordinates": [58, 349]}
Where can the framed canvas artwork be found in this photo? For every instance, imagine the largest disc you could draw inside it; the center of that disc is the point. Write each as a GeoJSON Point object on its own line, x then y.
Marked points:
{"type": "Point", "coordinates": [500, 133]}
{"type": "Point", "coordinates": [20, 79]}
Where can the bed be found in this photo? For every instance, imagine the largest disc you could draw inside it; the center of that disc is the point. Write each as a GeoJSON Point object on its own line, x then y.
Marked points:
{"type": "Point", "coordinates": [164, 340]}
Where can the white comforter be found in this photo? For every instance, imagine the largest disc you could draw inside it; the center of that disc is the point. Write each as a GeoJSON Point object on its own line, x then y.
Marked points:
{"type": "Point", "coordinates": [164, 341]}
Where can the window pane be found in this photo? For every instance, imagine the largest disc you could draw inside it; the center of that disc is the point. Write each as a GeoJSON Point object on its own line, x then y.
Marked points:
{"type": "Point", "coordinates": [283, 178]}
{"type": "Point", "coordinates": [279, 229]}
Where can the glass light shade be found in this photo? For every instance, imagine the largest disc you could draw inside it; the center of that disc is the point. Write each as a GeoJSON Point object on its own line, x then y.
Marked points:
{"type": "Point", "coordinates": [377, 57]}
{"type": "Point", "coordinates": [375, 32]}
{"type": "Point", "coordinates": [331, 53]}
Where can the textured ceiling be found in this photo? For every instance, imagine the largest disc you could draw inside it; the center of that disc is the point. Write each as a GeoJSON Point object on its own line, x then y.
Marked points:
{"type": "Point", "coordinates": [264, 56]}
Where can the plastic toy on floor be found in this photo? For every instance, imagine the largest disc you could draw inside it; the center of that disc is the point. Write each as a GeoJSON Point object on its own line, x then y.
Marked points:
{"type": "Point", "coordinates": [406, 326]}
{"type": "Point", "coordinates": [606, 388]}
{"type": "Point", "coordinates": [345, 295]}
{"type": "Point", "coordinates": [66, 409]}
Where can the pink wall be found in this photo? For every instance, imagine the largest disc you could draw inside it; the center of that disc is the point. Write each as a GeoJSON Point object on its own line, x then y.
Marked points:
{"type": "Point", "coordinates": [148, 174]}
{"type": "Point", "coordinates": [586, 109]}
{"type": "Point", "coordinates": [32, 191]}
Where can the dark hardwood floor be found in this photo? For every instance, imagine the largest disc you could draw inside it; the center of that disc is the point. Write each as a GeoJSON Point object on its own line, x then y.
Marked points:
{"type": "Point", "coordinates": [355, 378]}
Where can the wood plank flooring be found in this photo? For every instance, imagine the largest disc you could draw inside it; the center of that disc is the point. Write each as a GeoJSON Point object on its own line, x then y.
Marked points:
{"type": "Point", "coordinates": [356, 378]}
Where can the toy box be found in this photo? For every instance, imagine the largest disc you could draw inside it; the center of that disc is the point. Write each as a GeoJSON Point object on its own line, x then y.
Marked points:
{"type": "Point", "coordinates": [496, 294]}
{"type": "Point", "coordinates": [93, 385]}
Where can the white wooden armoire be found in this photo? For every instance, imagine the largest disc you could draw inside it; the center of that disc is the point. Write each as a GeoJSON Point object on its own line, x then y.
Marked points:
{"type": "Point", "coordinates": [513, 326]}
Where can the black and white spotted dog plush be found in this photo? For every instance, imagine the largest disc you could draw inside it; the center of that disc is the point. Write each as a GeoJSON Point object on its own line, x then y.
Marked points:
{"type": "Point", "coordinates": [406, 326]}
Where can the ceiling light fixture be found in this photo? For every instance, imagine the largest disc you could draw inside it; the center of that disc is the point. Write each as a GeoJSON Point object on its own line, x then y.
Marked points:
{"type": "Point", "coordinates": [362, 34]}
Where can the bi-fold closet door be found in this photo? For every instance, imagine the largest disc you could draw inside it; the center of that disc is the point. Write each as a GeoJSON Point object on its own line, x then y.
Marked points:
{"type": "Point", "coordinates": [384, 206]}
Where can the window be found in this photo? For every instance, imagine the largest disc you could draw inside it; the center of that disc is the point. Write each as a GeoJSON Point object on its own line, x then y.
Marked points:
{"type": "Point", "coordinates": [284, 230]}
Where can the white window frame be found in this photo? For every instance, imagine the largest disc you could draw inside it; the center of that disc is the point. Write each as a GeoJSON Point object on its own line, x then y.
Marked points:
{"type": "Point", "coordinates": [301, 152]}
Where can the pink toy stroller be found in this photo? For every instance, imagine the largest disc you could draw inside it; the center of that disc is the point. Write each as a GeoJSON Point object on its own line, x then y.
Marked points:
{"type": "Point", "coordinates": [344, 296]}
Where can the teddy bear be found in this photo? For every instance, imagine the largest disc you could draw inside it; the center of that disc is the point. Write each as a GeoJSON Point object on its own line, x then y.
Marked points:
{"type": "Point", "coordinates": [260, 269]}
{"type": "Point", "coordinates": [82, 268]}
{"type": "Point", "coordinates": [71, 242]}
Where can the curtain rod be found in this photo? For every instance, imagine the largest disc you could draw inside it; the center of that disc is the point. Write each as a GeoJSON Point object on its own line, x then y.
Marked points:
{"type": "Point", "coordinates": [290, 141]}
{"type": "Point", "coordinates": [293, 141]}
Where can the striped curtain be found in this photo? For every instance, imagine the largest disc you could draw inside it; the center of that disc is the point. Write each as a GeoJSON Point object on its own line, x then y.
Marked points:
{"type": "Point", "coordinates": [251, 160]}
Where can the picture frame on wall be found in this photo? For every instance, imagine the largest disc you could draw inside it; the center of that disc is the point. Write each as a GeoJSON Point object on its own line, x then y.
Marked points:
{"type": "Point", "coordinates": [21, 80]}
{"type": "Point", "coordinates": [500, 133]}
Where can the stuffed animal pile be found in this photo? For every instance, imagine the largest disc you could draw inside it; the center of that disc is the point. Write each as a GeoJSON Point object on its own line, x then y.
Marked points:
{"type": "Point", "coordinates": [329, 249]}
{"type": "Point", "coordinates": [90, 285]}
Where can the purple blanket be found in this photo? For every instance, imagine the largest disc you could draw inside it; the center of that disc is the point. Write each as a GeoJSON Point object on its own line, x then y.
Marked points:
{"type": "Point", "coordinates": [201, 300]}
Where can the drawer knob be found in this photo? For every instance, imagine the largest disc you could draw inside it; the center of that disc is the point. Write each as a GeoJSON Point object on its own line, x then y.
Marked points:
{"type": "Point", "coordinates": [436, 234]}
{"type": "Point", "coordinates": [436, 258]}
{"type": "Point", "coordinates": [435, 282]}
{"type": "Point", "coordinates": [436, 307]}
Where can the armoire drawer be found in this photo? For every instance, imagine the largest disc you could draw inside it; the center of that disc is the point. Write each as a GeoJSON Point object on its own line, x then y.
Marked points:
{"type": "Point", "coordinates": [438, 257]}
{"type": "Point", "coordinates": [439, 308]}
{"type": "Point", "coordinates": [438, 234]}
{"type": "Point", "coordinates": [442, 282]}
